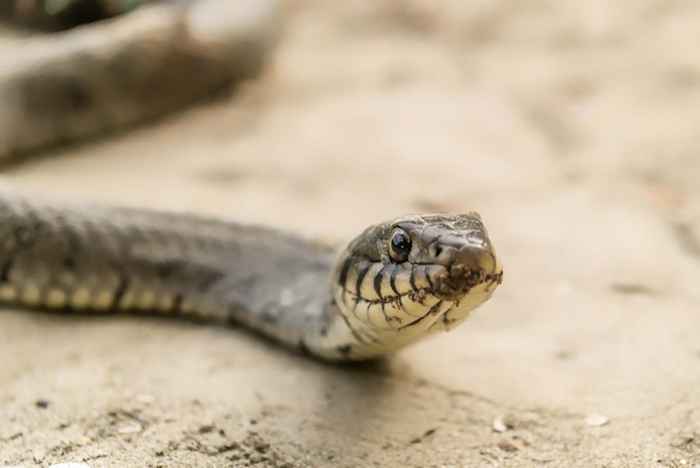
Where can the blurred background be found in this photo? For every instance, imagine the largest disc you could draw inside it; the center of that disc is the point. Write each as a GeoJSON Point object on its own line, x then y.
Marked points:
{"type": "Point", "coordinates": [572, 127]}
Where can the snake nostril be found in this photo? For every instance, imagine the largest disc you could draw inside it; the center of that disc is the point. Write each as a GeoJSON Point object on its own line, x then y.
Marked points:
{"type": "Point", "coordinates": [474, 277]}
{"type": "Point", "coordinates": [437, 250]}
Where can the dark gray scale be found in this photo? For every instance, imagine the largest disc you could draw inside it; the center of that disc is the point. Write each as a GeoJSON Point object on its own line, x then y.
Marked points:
{"type": "Point", "coordinates": [379, 280]}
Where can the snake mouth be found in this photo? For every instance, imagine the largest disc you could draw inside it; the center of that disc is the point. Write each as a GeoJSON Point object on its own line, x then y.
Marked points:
{"type": "Point", "coordinates": [459, 280]}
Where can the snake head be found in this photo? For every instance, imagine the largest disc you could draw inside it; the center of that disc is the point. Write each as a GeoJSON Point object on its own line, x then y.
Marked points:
{"type": "Point", "coordinates": [457, 248]}
{"type": "Point", "coordinates": [403, 279]}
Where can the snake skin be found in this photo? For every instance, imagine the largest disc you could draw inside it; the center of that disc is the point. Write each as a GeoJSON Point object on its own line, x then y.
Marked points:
{"type": "Point", "coordinates": [103, 259]}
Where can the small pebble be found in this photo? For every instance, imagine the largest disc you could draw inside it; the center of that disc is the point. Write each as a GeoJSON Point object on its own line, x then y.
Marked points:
{"type": "Point", "coordinates": [597, 420]}
{"type": "Point", "coordinates": [499, 425]}
{"type": "Point", "coordinates": [206, 429]}
{"type": "Point", "coordinates": [43, 404]}
{"type": "Point", "coordinates": [507, 446]}
{"type": "Point", "coordinates": [507, 422]}
{"type": "Point", "coordinates": [130, 428]}
{"type": "Point", "coordinates": [145, 399]}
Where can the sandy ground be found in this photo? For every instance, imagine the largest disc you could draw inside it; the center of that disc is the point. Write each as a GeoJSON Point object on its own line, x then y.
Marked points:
{"type": "Point", "coordinates": [571, 126]}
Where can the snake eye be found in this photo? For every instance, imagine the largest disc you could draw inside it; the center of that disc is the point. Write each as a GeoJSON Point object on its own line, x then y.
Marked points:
{"type": "Point", "coordinates": [400, 245]}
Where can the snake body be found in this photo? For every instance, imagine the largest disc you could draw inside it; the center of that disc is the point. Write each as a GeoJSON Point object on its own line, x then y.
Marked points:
{"type": "Point", "coordinates": [395, 283]}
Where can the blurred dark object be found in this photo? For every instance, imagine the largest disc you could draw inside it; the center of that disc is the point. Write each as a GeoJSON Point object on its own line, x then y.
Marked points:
{"type": "Point", "coordinates": [63, 14]}
{"type": "Point", "coordinates": [68, 86]}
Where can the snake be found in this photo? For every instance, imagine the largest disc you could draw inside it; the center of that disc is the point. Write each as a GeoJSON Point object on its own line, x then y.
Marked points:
{"type": "Point", "coordinates": [394, 284]}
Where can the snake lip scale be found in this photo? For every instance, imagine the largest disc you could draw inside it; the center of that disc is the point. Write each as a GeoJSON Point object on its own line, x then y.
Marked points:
{"type": "Point", "coordinates": [395, 283]}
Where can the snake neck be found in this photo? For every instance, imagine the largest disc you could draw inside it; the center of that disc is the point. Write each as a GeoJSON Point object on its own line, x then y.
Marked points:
{"type": "Point", "coordinates": [102, 259]}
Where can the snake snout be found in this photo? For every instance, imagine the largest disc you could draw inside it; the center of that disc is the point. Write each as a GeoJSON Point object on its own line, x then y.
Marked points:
{"type": "Point", "coordinates": [470, 264]}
